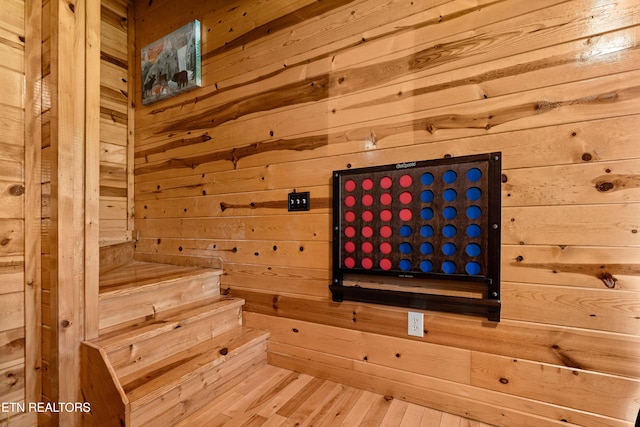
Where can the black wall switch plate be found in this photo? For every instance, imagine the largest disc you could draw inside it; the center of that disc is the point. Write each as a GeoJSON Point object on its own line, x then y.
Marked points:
{"type": "Point", "coordinates": [299, 201]}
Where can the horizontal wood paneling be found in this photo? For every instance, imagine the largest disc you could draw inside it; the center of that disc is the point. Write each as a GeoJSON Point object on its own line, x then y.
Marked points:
{"type": "Point", "coordinates": [303, 89]}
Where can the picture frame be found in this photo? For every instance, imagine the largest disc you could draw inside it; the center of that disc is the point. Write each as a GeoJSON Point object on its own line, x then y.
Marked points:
{"type": "Point", "coordinates": [172, 64]}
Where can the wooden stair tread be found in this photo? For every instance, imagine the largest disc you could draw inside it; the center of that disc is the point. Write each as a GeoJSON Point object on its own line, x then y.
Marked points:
{"type": "Point", "coordinates": [140, 273]}
{"type": "Point", "coordinates": [147, 385]}
{"type": "Point", "coordinates": [165, 321]}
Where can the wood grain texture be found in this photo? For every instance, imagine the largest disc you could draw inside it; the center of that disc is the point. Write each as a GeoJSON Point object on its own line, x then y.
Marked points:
{"type": "Point", "coordinates": [303, 89]}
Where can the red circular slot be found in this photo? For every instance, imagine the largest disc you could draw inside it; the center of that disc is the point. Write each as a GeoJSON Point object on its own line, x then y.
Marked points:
{"type": "Point", "coordinates": [367, 200]}
{"type": "Point", "coordinates": [367, 247]}
{"type": "Point", "coordinates": [385, 182]}
{"type": "Point", "coordinates": [406, 214]}
{"type": "Point", "coordinates": [386, 199]}
{"type": "Point", "coordinates": [406, 181]}
{"type": "Point", "coordinates": [386, 215]}
{"type": "Point", "coordinates": [349, 262]}
{"type": "Point", "coordinates": [350, 185]}
{"type": "Point", "coordinates": [367, 216]}
{"type": "Point", "coordinates": [367, 231]}
{"type": "Point", "coordinates": [405, 198]}
{"type": "Point", "coordinates": [367, 184]}
{"type": "Point", "coordinates": [386, 231]}
{"type": "Point", "coordinates": [350, 247]}
{"type": "Point", "coordinates": [367, 263]}
{"type": "Point", "coordinates": [385, 248]}
{"type": "Point", "coordinates": [385, 264]}
{"type": "Point", "coordinates": [349, 232]}
{"type": "Point", "coordinates": [350, 201]}
{"type": "Point", "coordinates": [349, 216]}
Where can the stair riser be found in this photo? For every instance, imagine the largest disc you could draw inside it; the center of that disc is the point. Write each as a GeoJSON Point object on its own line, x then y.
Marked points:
{"type": "Point", "coordinates": [128, 359]}
{"type": "Point", "coordinates": [147, 301]}
{"type": "Point", "coordinates": [177, 403]}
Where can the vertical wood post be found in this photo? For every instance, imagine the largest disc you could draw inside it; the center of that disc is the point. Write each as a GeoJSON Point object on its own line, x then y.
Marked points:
{"type": "Point", "coordinates": [75, 104]}
{"type": "Point", "coordinates": [33, 201]}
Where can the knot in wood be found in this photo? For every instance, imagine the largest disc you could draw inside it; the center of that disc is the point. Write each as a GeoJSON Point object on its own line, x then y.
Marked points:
{"type": "Point", "coordinates": [504, 381]}
{"type": "Point", "coordinates": [5, 242]}
{"type": "Point", "coordinates": [604, 186]}
{"type": "Point", "coordinates": [16, 190]}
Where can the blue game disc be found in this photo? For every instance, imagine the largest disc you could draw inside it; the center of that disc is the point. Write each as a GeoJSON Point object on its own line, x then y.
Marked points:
{"type": "Point", "coordinates": [474, 174]}
{"type": "Point", "coordinates": [426, 266]}
{"type": "Point", "coordinates": [473, 249]}
{"type": "Point", "coordinates": [426, 214]}
{"type": "Point", "coordinates": [449, 213]}
{"type": "Point", "coordinates": [449, 194]}
{"type": "Point", "coordinates": [427, 179]}
{"type": "Point", "coordinates": [448, 267]}
{"type": "Point", "coordinates": [405, 265]}
{"type": "Point", "coordinates": [474, 212]}
{"type": "Point", "coordinates": [405, 248]}
{"type": "Point", "coordinates": [474, 193]}
{"type": "Point", "coordinates": [449, 231]}
{"type": "Point", "coordinates": [426, 196]}
{"type": "Point", "coordinates": [474, 231]}
{"type": "Point", "coordinates": [405, 231]}
{"type": "Point", "coordinates": [449, 177]}
{"type": "Point", "coordinates": [473, 268]}
{"type": "Point", "coordinates": [426, 231]}
{"type": "Point", "coordinates": [426, 248]}
{"type": "Point", "coordinates": [448, 249]}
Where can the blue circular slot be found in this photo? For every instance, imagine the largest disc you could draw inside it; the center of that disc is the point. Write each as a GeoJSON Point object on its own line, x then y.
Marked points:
{"type": "Point", "coordinates": [449, 212]}
{"type": "Point", "coordinates": [473, 249]}
{"type": "Point", "coordinates": [474, 193]}
{"type": "Point", "coordinates": [449, 194]}
{"type": "Point", "coordinates": [474, 174]}
{"type": "Point", "coordinates": [449, 249]}
{"type": "Point", "coordinates": [449, 231]}
{"type": "Point", "coordinates": [474, 212]}
{"type": "Point", "coordinates": [426, 231]}
{"type": "Point", "coordinates": [473, 268]}
{"type": "Point", "coordinates": [405, 265]}
{"type": "Point", "coordinates": [426, 214]}
{"type": "Point", "coordinates": [426, 196]}
{"type": "Point", "coordinates": [426, 266]}
{"type": "Point", "coordinates": [449, 267]}
{"type": "Point", "coordinates": [474, 231]}
{"type": "Point", "coordinates": [427, 179]}
{"type": "Point", "coordinates": [449, 177]}
{"type": "Point", "coordinates": [426, 248]}
{"type": "Point", "coordinates": [405, 248]}
{"type": "Point", "coordinates": [405, 231]}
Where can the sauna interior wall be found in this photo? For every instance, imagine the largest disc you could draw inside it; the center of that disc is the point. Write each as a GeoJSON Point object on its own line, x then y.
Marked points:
{"type": "Point", "coordinates": [12, 188]}
{"type": "Point", "coordinates": [295, 89]}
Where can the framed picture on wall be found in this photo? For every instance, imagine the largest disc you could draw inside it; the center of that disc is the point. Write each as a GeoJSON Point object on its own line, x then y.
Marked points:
{"type": "Point", "coordinates": [171, 65]}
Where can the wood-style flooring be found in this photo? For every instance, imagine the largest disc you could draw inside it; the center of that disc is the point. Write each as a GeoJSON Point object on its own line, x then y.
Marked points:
{"type": "Point", "coordinates": [279, 397]}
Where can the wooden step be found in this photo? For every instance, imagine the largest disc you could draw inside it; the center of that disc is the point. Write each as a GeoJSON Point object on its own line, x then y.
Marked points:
{"type": "Point", "coordinates": [136, 346]}
{"type": "Point", "coordinates": [140, 290]}
{"type": "Point", "coordinates": [173, 388]}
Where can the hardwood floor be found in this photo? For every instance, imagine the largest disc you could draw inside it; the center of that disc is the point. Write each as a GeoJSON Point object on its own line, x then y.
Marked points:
{"type": "Point", "coordinates": [279, 397]}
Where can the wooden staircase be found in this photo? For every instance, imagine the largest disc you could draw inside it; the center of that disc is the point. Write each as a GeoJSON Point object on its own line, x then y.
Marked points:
{"type": "Point", "coordinates": [169, 343]}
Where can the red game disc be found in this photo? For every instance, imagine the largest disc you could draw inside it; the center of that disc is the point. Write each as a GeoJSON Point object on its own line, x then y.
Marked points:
{"type": "Point", "coordinates": [405, 198]}
{"type": "Point", "coordinates": [386, 198]}
{"type": "Point", "coordinates": [367, 216]}
{"type": "Point", "coordinates": [350, 247]}
{"type": "Point", "coordinates": [349, 262]}
{"type": "Point", "coordinates": [349, 216]}
{"type": "Point", "coordinates": [406, 215]}
{"type": "Point", "coordinates": [386, 215]}
{"type": "Point", "coordinates": [350, 185]}
{"type": "Point", "coordinates": [385, 182]}
{"type": "Point", "coordinates": [385, 247]}
{"type": "Point", "coordinates": [406, 181]}
{"type": "Point", "coordinates": [385, 264]}
{"type": "Point", "coordinates": [367, 263]}
{"type": "Point", "coordinates": [367, 247]}
{"type": "Point", "coordinates": [350, 201]}
{"type": "Point", "coordinates": [367, 184]}
{"type": "Point", "coordinates": [385, 231]}
{"type": "Point", "coordinates": [367, 200]}
{"type": "Point", "coordinates": [349, 232]}
{"type": "Point", "coordinates": [367, 231]}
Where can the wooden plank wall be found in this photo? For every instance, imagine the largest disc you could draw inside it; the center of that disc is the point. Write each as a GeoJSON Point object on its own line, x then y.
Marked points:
{"type": "Point", "coordinates": [295, 89]}
{"type": "Point", "coordinates": [116, 179]}
{"type": "Point", "coordinates": [12, 214]}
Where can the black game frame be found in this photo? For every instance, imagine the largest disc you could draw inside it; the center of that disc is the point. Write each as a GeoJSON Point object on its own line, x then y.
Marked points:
{"type": "Point", "coordinates": [432, 220]}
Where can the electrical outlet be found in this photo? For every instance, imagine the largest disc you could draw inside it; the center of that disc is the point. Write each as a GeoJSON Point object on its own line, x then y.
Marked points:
{"type": "Point", "coordinates": [299, 201]}
{"type": "Point", "coordinates": [416, 324]}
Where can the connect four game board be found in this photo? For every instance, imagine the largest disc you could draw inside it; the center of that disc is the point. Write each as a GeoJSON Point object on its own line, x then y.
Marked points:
{"type": "Point", "coordinates": [436, 219]}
